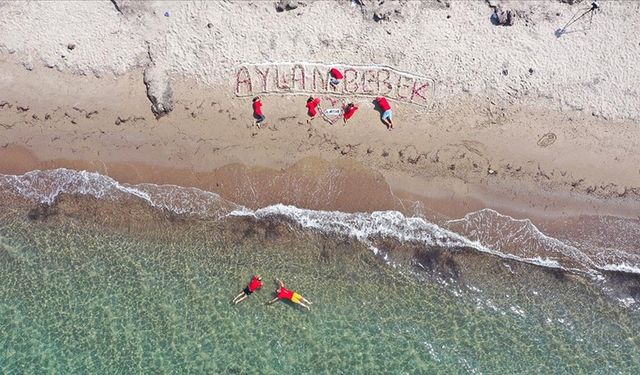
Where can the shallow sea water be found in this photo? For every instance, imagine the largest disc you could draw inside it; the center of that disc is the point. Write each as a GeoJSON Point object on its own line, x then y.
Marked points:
{"type": "Point", "coordinates": [78, 298]}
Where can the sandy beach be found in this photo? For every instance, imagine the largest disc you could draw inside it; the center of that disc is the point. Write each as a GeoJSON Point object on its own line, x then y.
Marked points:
{"type": "Point", "coordinates": [513, 117]}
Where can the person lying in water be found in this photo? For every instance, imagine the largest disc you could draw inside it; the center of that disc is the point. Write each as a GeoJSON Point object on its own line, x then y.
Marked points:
{"type": "Point", "coordinates": [254, 284]}
{"type": "Point", "coordinates": [284, 293]}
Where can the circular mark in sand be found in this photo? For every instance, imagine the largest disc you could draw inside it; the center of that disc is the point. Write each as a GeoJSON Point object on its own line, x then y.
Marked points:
{"type": "Point", "coordinates": [547, 140]}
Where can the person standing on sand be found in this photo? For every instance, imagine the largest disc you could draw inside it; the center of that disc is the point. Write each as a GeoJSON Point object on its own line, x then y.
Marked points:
{"type": "Point", "coordinates": [257, 112]}
{"type": "Point", "coordinates": [312, 104]}
{"type": "Point", "coordinates": [387, 114]}
{"type": "Point", "coordinates": [254, 284]}
{"type": "Point", "coordinates": [336, 77]}
{"type": "Point", "coordinates": [349, 110]}
{"type": "Point", "coordinates": [284, 293]}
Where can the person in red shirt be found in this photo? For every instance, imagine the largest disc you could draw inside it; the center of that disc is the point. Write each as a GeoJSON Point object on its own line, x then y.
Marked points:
{"type": "Point", "coordinates": [349, 110]}
{"type": "Point", "coordinates": [312, 105]}
{"type": "Point", "coordinates": [336, 77]}
{"type": "Point", "coordinates": [257, 112]}
{"type": "Point", "coordinates": [254, 284]}
{"type": "Point", "coordinates": [286, 294]}
{"type": "Point", "coordinates": [386, 111]}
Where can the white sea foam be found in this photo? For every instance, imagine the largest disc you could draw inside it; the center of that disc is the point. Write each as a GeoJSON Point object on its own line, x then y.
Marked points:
{"type": "Point", "coordinates": [46, 186]}
{"type": "Point", "coordinates": [621, 268]}
{"type": "Point", "coordinates": [384, 224]}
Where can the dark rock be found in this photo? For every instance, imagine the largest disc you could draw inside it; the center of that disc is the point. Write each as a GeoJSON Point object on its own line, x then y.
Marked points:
{"type": "Point", "coordinates": [505, 72]}
{"type": "Point", "coordinates": [503, 17]}
{"type": "Point", "coordinates": [71, 46]}
{"type": "Point", "coordinates": [209, 25]}
{"type": "Point", "coordinates": [283, 5]}
{"type": "Point", "coordinates": [41, 212]}
{"type": "Point", "coordinates": [530, 70]}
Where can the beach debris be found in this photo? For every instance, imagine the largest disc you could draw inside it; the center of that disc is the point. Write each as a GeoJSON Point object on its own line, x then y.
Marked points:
{"type": "Point", "coordinates": [22, 109]}
{"type": "Point", "coordinates": [117, 4]}
{"type": "Point", "coordinates": [503, 17]}
{"type": "Point", "coordinates": [547, 140]}
{"type": "Point", "coordinates": [71, 46]}
{"type": "Point", "coordinates": [283, 5]}
{"type": "Point", "coordinates": [491, 171]}
{"type": "Point", "coordinates": [167, 14]}
{"type": "Point", "coordinates": [492, 3]}
{"type": "Point", "coordinates": [595, 8]}
{"type": "Point", "coordinates": [210, 25]}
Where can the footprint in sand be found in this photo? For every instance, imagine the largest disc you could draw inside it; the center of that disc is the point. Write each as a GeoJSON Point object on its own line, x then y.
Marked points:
{"type": "Point", "coordinates": [547, 140]}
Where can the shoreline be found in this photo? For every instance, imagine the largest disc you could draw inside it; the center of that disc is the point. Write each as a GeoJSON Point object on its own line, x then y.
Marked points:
{"type": "Point", "coordinates": [351, 187]}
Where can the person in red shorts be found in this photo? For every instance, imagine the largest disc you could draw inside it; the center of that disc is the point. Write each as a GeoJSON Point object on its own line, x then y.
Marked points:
{"type": "Point", "coordinates": [336, 77]}
{"type": "Point", "coordinates": [349, 110]}
{"type": "Point", "coordinates": [286, 294]}
{"type": "Point", "coordinates": [257, 112]}
{"type": "Point", "coordinates": [254, 284]}
{"type": "Point", "coordinates": [312, 105]}
{"type": "Point", "coordinates": [386, 111]}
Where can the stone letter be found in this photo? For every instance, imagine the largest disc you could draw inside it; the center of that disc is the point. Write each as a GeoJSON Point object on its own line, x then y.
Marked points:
{"type": "Point", "coordinates": [383, 91]}
{"type": "Point", "coordinates": [243, 78]}
{"type": "Point", "coordinates": [264, 75]}
{"type": "Point", "coordinates": [415, 91]}
{"type": "Point", "coordinates": [299, 79]}
{"type": "Point", "coordinates": [402, 83]}
{"type": "Point", "coordinates": [353, 81]}
{"type": "Point", "coordinates": [284, 86]}
{"type": "Point", "coordinates": [368, 77]}
{"type": "Point", "coordinates": [319, 76]}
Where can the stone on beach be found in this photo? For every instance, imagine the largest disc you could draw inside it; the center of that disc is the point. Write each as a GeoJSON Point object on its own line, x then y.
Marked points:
{"type": "Point", "coordinates": [283, 5]}
{"type": "Point", "coordinates": [158, 90]}
{"type": "Point", "coordinates": [503, 17]}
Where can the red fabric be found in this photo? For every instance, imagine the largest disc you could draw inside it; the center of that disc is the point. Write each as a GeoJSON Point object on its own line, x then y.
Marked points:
{"type": "Point", "coordinates": [312, 106]}
{"type": "Point", "coordinates": [383, 103]}
{"type": "Point", "coordinates": [335, 73]}
{"type": "Point", "coordinates": [350, 112]}
{"type": "Point", "coordinates": [285, 293]}
{"type": "Point", "coordinates": [257, 108]}
{"type": "Point", "coordinates": [255, 284]}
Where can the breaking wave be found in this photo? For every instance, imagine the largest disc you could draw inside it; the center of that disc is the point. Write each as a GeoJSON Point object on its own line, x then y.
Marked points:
{"type": "Point", "coordinates": [485, 231]}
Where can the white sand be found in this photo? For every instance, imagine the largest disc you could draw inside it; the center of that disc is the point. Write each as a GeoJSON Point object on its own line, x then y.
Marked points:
{"type": "Point", "coordinates": [595, 71]}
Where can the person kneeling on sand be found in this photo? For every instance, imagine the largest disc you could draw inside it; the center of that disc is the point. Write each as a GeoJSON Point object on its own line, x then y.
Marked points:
{"type": "Point", "coordinates": [254, 284]}
{"type": "Point", "coordinates": [284, 293]}
{"type": "Point", "coordinates": [257, 112]}
{"type": "Point", "coordinates": [336, 77]}
{"type": "Point", "coordinates": [349, 110]}
{"type": "Point", "coordinates": [312, 105]}
{"type": "Point", "coordinates": [387, 113]}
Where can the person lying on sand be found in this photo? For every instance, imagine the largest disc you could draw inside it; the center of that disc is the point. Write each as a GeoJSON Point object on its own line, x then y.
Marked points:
{"type": "Point", "coordinates": [254, 284]}
{"type": "Point", "coordinates": [284, 293]}
{"type": "Point", "coordinates": [257, 112]}
{"type": "Point", "coordinates": [387, 113]}
{"type": "Point", "coordinates": [312, 105]}
{"type": "Point", "coordinates": [349, 110]}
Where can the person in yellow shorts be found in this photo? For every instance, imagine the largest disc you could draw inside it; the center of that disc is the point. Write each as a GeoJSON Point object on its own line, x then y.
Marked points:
{"type": "Point", "coordinates": [284, 293]}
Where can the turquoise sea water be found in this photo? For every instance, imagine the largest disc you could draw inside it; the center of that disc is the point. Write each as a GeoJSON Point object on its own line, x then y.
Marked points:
{"type": "Point", "coordinates": [81, 292]}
